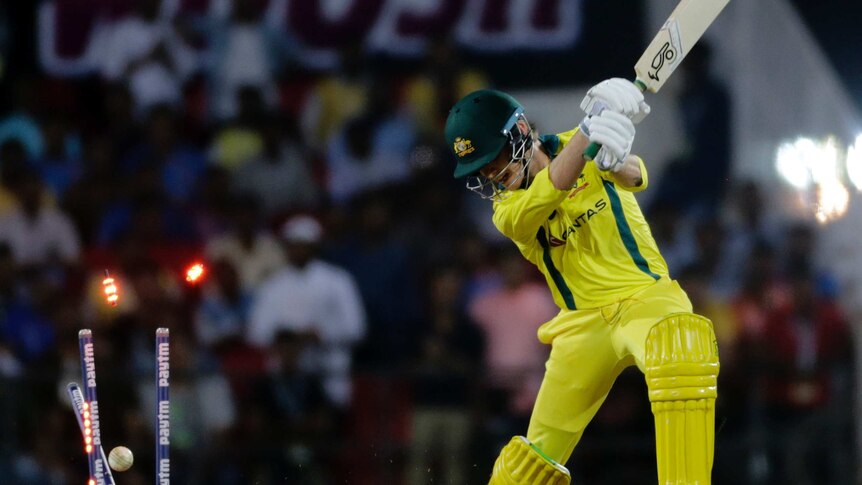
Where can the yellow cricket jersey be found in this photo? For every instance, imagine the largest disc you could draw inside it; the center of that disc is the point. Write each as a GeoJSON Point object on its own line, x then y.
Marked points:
{"type": "Point", "coordinates": [591, 242]}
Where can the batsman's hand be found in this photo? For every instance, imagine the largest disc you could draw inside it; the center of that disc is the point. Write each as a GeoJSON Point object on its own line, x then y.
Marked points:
{"type": "Point", "coordinates": [616, 94]}
{"type": "Point", "coordinates": [615, 132]}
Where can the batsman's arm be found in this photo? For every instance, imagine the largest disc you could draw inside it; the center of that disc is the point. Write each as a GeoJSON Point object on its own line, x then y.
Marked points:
{"type": "Point", "coordinates": [567, 166]}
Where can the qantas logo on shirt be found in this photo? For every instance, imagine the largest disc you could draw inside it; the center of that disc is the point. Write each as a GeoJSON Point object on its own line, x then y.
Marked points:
{"type": "Point", "coordinates": [578, 187]}
{"type": "Point", "coordinates": [582, 219]}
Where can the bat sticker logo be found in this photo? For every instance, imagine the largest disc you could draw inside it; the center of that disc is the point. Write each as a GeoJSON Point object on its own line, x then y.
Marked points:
{"type": "Point", "coordinates": [666, 53]}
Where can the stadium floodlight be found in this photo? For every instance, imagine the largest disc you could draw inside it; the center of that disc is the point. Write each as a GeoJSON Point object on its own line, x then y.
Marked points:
{"type": "Point", "coordinates": [813, 168]}
{"type": "Point", "coordinates": [854, 163]}
{"type": "Point", "coordinates": [832, 201]}
{"type": "Point", "coordinates": [793, 161]}
{"type": "Point", "coordinates": [824, 168]}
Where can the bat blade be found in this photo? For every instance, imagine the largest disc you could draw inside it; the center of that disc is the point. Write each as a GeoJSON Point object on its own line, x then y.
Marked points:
{"type": "Point", "coordinates": [685, 26]}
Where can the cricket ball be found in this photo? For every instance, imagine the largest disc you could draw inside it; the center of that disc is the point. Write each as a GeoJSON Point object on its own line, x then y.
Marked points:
{"type": "Point", "coordinates": [120, 459]}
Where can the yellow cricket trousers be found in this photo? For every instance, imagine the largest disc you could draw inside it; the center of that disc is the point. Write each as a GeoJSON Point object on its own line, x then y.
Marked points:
{"type": "Point", "coordinates": [589, 349]}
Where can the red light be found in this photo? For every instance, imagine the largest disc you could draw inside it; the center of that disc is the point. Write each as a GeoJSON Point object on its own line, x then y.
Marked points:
{"type": "Point", "coordinates": [109, 286]}
{"type": "Point", "coordinates": [88, 431]}
{"type": "Point", "coordinates": [195, 273]}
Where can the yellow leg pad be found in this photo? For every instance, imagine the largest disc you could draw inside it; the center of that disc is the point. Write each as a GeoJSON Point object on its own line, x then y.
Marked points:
{"type": "Point", "coordinates": [521, 463]}
{"type": "Point", "coordinates": [681, 360]}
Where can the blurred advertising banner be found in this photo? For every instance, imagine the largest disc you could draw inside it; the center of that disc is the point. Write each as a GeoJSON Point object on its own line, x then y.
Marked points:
{"type": "Point", "coordinates": [570, 34]}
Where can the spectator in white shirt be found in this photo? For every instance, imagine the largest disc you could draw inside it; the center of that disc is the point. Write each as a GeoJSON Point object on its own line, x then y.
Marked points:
{"type": "Point", "coordinates": [38, 234]}
{"type": "Point", "coordinates": [249, 247]}
{"type": "Point", "coordinates": [315, 299]}
{"type": "Point", "coordinates": [248, 50]}
{"type": "Point", "coordinates": [145, 52]}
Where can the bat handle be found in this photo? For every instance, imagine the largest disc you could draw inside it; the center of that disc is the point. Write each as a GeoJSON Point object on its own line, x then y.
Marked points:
{"type": "Point", "coordinates": [593, 149]}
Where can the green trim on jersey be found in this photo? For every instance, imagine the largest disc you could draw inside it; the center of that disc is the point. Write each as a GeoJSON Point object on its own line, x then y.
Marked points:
{"type": "Point", "coordinates": [562, 287]}
{"type": "Point", "coordinates": [590, 242]}
{"type": "Point", "coordinates": [551, 144]}
{"type": "Point", "coordinates": [625, 231]}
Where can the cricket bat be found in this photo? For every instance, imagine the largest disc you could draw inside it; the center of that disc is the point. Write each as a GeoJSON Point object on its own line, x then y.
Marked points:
{"type": "Point", "coordinates": [680, 32]}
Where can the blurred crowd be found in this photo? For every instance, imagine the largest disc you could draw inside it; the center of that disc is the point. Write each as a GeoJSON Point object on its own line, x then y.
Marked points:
{"type": "Point", "coordinates": [358, 322]}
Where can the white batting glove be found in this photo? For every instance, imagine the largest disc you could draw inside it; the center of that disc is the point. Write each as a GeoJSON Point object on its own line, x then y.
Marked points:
{"type": "Point", "coordinates": [616, 94]}
{"type": "Point", "coordinates": [615, 132]}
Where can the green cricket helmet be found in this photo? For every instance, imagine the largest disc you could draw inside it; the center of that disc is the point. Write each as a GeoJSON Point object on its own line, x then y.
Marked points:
{"type": "Point", "coordinates": [479, 127]}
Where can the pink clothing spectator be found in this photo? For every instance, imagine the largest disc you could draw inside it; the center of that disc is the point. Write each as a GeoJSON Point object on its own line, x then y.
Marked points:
{"type": "Point", "coordinates": [514, 357]}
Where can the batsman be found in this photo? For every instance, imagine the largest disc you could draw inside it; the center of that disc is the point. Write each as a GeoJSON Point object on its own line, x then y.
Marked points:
{"type": "Point", "coordinates": [578, 221]}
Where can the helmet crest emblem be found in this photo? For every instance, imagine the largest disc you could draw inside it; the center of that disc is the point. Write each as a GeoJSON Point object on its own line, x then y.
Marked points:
{"type": "Point", "coordinates": [463, 147]}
